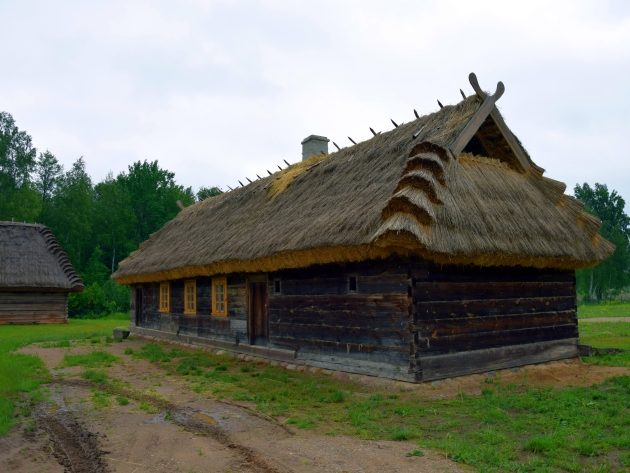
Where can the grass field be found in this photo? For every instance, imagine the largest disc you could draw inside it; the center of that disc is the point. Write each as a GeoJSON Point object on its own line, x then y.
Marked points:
{"type": "Point", "coordinates": [23, 374]}
{"type": "Point", "coordinates": [605, 309]}
{"type": "Point", "coordinates": [507, 428]}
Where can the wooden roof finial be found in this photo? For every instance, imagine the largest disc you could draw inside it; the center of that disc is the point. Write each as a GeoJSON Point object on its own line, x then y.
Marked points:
{"type": "Point", "coordinates": [472, 78]}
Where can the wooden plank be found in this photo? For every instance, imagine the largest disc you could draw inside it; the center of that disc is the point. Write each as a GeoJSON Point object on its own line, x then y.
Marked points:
{"type": "Point", "coordinates": [342, 333]}
{"type": "Point", "coordinates": [479, 361]}
{"type": "Point", "coordinates": [473, 341]}
{"type": "Point", "coordinates": [498, 323]}
{"type": "Point", "coordinates": [338, 346]}
{"type": "Point", "coordinates": [444, 291]}
{"type": "Point", "coordinates": [490, 275]}
{"type": "Point", "coordinates": [475, 122]}
{"type": "Point", "coordinates": [486, 307]}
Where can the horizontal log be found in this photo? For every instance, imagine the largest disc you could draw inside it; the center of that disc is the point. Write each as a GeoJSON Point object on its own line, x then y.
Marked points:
{"type": "Point", "coordinates": [478, 361]}
{"type": "Point", "coordinates": [447, 291]}
{"type": "Point", "coordinates": [497, 274]}
{"type": "Point", "coordinates": [340, 333]}
{"type": "Point", "coordinates": [487, 307]}
{"type": "Point", "coordinates": [436, 328]}
{"type": "Point", "coordinates": [341, 346]}
{"type": "Point", "coordinates": [473, 341]}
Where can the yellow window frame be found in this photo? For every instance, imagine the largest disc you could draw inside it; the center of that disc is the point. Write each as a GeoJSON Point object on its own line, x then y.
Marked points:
{"type": "Point", "coordinates": [190, 303]}
{"type": "Point", "coordinates": [219, 297]}
{"type": "Point", "coordinates": [165, 297]}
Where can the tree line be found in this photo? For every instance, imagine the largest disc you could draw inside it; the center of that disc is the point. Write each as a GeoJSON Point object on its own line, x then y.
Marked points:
{"type": "Point", "coordinates": [100, 224]}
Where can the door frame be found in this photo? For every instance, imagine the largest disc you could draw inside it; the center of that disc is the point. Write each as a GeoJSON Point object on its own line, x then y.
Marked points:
{"type": "Point", "coordinates": [251, 280]}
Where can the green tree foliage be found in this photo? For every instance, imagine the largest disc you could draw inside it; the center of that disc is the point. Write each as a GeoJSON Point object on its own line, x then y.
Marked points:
{"type": "Point", "coordinates": [205, 192]}
{"type": "Point", "coordinates": [48, 175]}
{"type": "Point", "coordinates": [69, 216]}
{"type": "Point", "coordinates": [20, 200]}
{"type": "Point", "coordinates": [98, 225]}
{"type": "Point", "coordinates": [114, 222]}
{"type": "Point", "coordinates": [95, 271]}
{"type": "Point", "coordinates": [613, 274]}
{"type": "Point", "coordinates": [154, 196]}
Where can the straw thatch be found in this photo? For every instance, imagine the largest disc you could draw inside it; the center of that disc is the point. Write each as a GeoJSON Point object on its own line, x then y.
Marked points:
{"type": "Point", "coordinates": [401, 192]}
{"type": "Point", "coordinates": [31, 258]}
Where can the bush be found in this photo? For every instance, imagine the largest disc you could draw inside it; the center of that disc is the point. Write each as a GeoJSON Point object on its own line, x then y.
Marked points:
{"type": "Point", "coordinates": [99, 299]}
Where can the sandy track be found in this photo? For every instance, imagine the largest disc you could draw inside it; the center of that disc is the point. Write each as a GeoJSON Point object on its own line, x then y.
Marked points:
{"type": "Point", "coordinates": [183, 431]}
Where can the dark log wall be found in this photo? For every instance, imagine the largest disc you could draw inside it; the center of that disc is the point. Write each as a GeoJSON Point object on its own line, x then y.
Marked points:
{"type": "Point", "coordinates": [203, 324]}
{"type": "Point", "coordinates": [407, 319]}
{"type": "Point", "coordinates": [318, 316]}
{"type": "Point", "coordinates": [463, 309]}
{"type": "Point", "coordinates": [33, 307]}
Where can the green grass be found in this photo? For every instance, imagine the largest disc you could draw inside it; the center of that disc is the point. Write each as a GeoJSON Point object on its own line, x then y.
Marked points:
{"type": "Point", "coordinates": [23, 374]}
{"type": "Point", "coordinates": [604, 309]}
{"type": "Point", "coordinates": [605, 334]}
{"type": "Point", "coordinates": [90, 360]}
{"type": "Point", "coordinates": [506, 428]}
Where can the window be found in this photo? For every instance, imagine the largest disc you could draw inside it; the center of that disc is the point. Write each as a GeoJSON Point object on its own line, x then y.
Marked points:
{"type": "Point", "coordinates": [277, 287]}
{"type": "Point", "coordinates": [190, 297]}
{"type": "Point", "coordinates": [219, 297]}
{"type": "Point", "coordinates": [165, 297]}
{"type": "Point", "coordinates": [352, 283]}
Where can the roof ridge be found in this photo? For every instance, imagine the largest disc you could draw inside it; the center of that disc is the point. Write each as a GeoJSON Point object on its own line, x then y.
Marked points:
{"type": "Point", "coordinates": [56, 250]}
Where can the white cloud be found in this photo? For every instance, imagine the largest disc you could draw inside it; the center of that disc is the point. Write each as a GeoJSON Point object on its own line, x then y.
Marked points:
{"type": "Point", "coordinates": [216, 90]}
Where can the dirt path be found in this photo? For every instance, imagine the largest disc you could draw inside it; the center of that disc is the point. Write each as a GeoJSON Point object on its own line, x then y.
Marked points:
{"type": "Point", "coordinates": [606, 319]}
{"type": "Point", "coordinates": [165, 427]}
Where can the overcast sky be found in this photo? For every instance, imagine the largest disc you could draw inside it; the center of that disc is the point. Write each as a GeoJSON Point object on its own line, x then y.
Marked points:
{"type": "Point", "coordinates": [219, 90]}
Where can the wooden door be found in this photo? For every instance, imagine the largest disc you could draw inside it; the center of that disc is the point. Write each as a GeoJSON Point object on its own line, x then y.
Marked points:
{"type": "Point", "coordinates": [258, 321]}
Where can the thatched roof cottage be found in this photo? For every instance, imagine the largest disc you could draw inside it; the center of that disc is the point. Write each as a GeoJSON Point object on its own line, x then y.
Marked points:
{"type": "Point", "coordinates": [36, 276]}
{"type": "Point", "coordinates": [435, 249]}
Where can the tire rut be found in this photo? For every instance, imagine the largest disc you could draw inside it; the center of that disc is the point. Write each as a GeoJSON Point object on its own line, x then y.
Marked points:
{"type": "Point", "coordinates": [75, 448]}
{"type": "Point", "coordinates": [185, 418]}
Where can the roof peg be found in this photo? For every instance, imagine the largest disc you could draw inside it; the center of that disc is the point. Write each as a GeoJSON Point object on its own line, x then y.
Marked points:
{"type": "Point", "coordinates": [394, 123]}
{"type": "Point", "coordinates": [250, 181]}
{"type": "Point", "coordinates": [373, 132]}
{"type": "Point", "coordinates": [229, 188]}
{"type": "Point", "coordinates": [353, 142]}
{"type": "Point", "coordinates": [416, 113]}
{"type": "Point", "coordinates": [242, 185]}
{"type": "Point", "coordinates": [440, 104]}
{"type": "Point", "coordinates": [279, 167]}
{"type": "Point", "coordinates": [258, 176]}
{"type": "Point", "coordinates": [336, 146]}
{"type": "Point", "coordinates": [286, 162]}
{"type": "Point", "coordinates": [463, 94]}
{"type": "Point", "coordinates": [269, 172]}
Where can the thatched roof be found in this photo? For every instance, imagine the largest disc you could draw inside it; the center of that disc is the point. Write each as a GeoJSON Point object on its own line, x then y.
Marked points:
{"type": "Point", "coordinates": [409, 191]}
{"type": "Point", "coordinates": [31, 259]}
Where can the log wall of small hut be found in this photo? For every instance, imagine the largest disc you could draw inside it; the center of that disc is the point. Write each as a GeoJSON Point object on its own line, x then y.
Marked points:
{"type": "Point", "coordinates": [25, 307]}
{"type": "Point", "coordinates": [469, 319]}
{"type": "Point", "coordinates": [202, 324]}
{"type": "Point", "coordinates": [328, 322]}
{"type": "Point", "coordinates": [403, 319]}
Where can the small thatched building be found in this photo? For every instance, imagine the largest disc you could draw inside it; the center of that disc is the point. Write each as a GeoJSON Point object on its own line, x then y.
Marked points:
{"type": "Point", "coordinates": [435, 249]}
{"type": "Point", "coordinates": [35, 275]}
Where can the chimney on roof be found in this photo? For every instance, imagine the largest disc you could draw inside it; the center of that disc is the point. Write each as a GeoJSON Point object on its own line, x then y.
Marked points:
{"type": "Point", "coordinates": [314, 144]}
